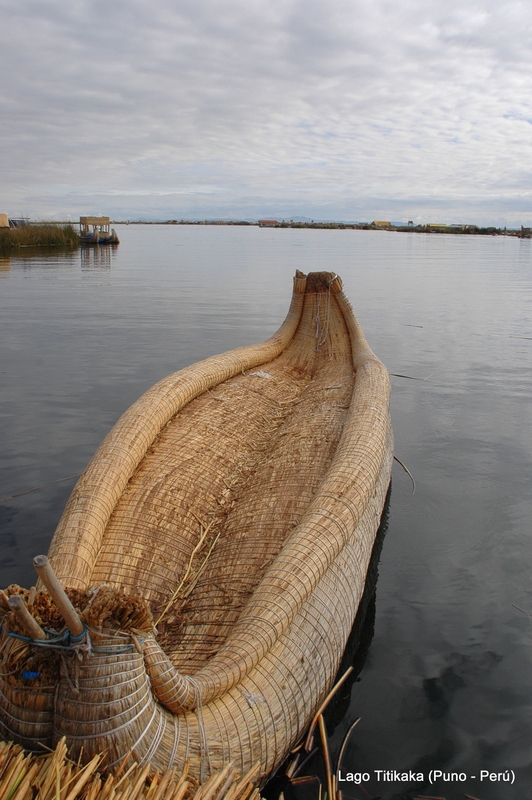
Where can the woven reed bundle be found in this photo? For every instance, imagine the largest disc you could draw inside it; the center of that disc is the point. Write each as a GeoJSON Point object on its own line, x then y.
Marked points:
{"type": "Point", "coordinates": [239, 499]}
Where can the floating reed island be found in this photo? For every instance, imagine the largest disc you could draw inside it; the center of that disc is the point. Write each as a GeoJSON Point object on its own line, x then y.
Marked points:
{"type": "Point", "coordinates": [38, 235]}
{"type": "Point", "coordinates": [203, 580]}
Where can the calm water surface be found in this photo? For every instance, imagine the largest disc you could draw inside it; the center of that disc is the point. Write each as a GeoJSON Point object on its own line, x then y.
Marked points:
{"type": "Point", "coordinates": [447, 682]}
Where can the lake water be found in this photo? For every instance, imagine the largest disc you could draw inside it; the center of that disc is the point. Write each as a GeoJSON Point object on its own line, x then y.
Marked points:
{"type": "Point", "coordinates": [447, 681]}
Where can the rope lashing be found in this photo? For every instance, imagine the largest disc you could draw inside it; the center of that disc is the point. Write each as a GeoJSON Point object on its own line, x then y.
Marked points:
{"type": "Point", "coordinates": [65, 641]}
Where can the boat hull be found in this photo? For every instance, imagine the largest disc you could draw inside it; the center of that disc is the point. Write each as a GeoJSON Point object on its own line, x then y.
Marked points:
{"type": "Point", "coordinates": [240, 498]}
{"type": "Point", "coordinates": [98, 237]}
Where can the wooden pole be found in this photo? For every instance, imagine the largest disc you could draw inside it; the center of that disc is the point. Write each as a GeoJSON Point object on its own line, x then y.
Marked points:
{"type": "Point", "coordinates": [58, 594]}
{"type": "Point", "coordinates": [29, 625]}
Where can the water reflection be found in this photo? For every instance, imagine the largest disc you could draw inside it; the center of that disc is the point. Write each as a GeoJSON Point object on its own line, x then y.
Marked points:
{"type": "Point", "coordinates": [97, 257]}
{"type": "Point", "coordinates": [39, 258]}
{"type": "Point", "coordinates": [44, 258]}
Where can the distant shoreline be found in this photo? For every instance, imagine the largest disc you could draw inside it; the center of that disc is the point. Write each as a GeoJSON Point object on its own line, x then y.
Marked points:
{"type": "Point", "coordinates": [475, 230]}
{"type": "Point", "coordinates": [429, 228]}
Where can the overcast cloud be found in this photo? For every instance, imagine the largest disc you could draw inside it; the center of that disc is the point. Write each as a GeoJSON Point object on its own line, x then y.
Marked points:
{"type": "Point", "coordinates": [247, 108]}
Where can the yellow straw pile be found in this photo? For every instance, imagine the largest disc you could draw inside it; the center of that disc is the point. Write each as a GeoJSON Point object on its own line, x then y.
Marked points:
{"type": "Point", "coordinates": [54, 777]}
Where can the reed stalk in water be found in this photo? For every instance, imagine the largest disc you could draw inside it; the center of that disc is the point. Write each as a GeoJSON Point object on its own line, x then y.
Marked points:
{"type": "Point", "coordinates": [46, 235]}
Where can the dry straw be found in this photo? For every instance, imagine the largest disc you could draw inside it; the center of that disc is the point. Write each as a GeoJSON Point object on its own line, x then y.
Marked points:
{"type": "Point", "coordinates": [236, 504]}
{"type": "Point", "coordinates": [54, 777]}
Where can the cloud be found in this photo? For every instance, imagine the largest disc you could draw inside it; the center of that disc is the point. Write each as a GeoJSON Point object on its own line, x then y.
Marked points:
{"type": "Point", "coordinates": [222, 107]}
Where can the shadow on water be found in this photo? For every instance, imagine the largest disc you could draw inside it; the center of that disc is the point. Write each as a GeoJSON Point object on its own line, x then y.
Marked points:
{"type": "Point", "coordinates": [355, 654]}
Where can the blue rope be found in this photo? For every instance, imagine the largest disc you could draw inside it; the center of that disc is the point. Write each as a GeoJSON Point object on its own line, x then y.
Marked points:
{"type": "Point", "coordinates": [65, 641]}
{"type": "Point", "coordinates": [55, 642]}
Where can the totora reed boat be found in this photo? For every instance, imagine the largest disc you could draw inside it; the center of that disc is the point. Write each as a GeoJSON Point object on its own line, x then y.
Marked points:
{"type": "Point", "coordinates": [214, 553]}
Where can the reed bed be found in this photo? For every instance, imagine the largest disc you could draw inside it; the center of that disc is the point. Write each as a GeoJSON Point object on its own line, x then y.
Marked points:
{"type": "Point", "coordinates": [55, 777]}
{"type": "Point", "coordinates": [44, 235]}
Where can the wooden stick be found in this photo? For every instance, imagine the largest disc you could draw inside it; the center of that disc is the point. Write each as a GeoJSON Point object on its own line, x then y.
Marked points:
{"type": "Point", "coordinates": [29, 625]}
{"type": "Point", "coordinates": [58, 594]}
{"type": "Point", "coordinates": [4, 600]}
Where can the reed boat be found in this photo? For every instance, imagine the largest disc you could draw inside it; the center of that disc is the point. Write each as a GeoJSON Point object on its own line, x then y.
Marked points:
{"type": "Point", "coordinates": [89, 238]}
{"type": "Point", "coordinates": [108, 238]}
{"type": "Point", "coordinates": [203, 580]}
{"type": "Point", "coordinates": [97, 230]}
{"type": "Point", "coordinates": [98, 237]}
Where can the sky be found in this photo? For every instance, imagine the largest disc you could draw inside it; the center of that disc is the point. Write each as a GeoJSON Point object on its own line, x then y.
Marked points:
{"type": "Point", "coordinates": [242, 109]}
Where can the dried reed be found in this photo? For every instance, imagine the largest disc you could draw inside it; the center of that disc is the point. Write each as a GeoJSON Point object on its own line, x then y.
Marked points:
{"type": "Point", "coordinates": [54, 777]}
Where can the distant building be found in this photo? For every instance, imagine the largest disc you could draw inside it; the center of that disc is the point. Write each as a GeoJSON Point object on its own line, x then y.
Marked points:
{"type": "Point", "coordinates": [437, 225]}
{"type": "Point", "coordinates": [268, 223]}
{"type": "Point", "coordinates": [379, 223]}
